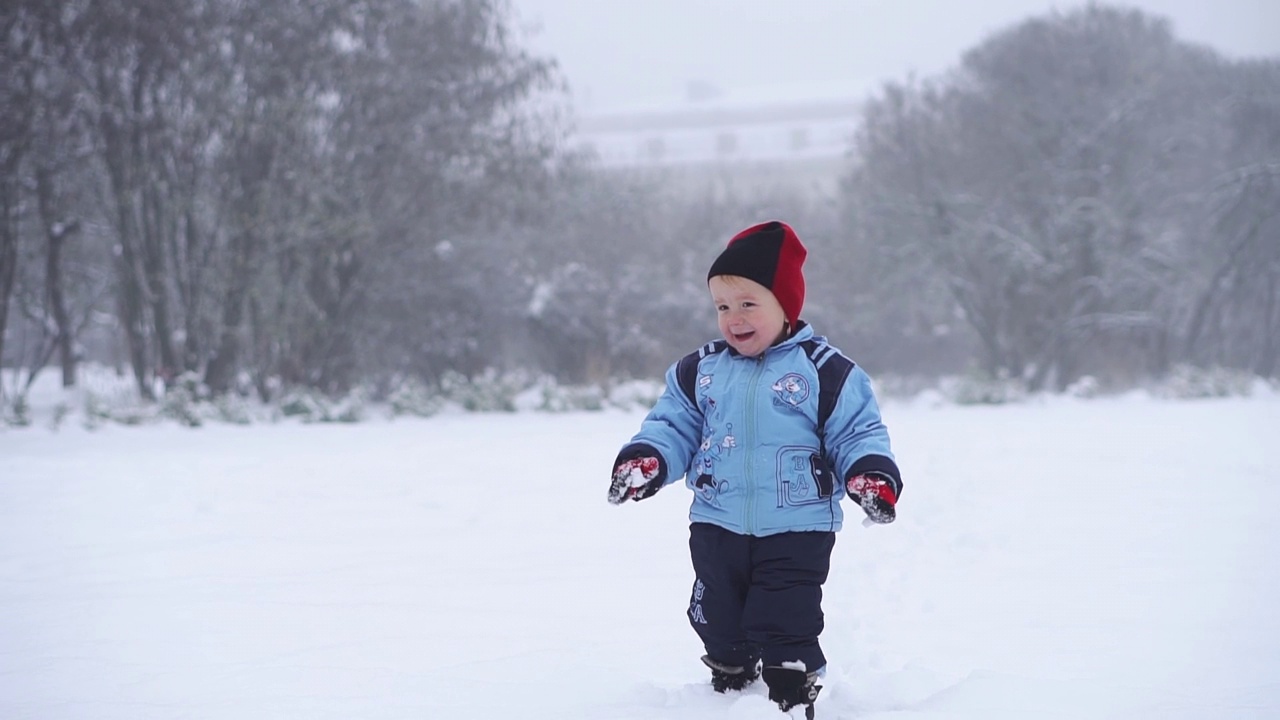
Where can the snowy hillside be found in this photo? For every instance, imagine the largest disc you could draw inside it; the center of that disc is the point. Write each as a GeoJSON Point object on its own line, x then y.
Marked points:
{"type": "Point", "coordinates": [1058, 559]}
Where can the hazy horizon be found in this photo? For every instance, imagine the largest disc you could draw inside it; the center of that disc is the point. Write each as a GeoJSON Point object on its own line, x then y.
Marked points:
{"type": "Point", "coordinates": [620, 55]}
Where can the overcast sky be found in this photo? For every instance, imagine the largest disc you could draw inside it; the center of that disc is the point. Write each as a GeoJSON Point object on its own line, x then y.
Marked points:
{"type": "Point", "coordinates": [642, 53]}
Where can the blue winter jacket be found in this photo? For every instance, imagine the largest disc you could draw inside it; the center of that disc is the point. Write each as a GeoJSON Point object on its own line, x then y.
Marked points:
{"type": "Point", "coordinates": [749, 447]}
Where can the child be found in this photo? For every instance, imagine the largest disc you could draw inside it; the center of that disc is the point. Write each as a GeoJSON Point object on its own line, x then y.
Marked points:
{"type": "Point", "coordinates": [757, 425]}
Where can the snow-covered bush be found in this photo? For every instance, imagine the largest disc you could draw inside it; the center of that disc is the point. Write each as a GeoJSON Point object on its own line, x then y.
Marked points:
{"type": "Point", "coordinates": [980, 389]}
{"type": "Point", "coordinates": [135, 413]}
{"type": "Point", "coordinates": [16, 412]}
{"type": "Point", "coordinates": [232, 409]}
{"type": "Point", "coordinates": [122, 409]}
{"type": "Point", "coordinates": [1086, 387]}
{"type": "Point", "coordinates": [489, 391]}
{"type": "Point", "coordinates": [312, 406]}
{"type": "Point", "coordinates": [181, 401]}
{"type": "Point", "coordinates": [95, 412]}
{"type": "Point", "coordinates": [178, 404]}
{"type": "Point", "coordinates": [59, 414]}
{"type": "Point", "coordinates": [547, 396]}
{"type": "Point", "coordinates": [349, 409]}
{"type": "Point", "coordinates": [901, 387]}
{"type": "Point", "coordinates": [303, 404]}
{"type": "Point", "coordinates": [414, 398]}
{"type": "Point", "coordinates": [635, 394]}
{"type": "Point", "coordinates": [1186, 382]}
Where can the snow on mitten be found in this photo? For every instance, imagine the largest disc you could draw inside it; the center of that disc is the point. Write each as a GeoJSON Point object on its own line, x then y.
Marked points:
{"type": "Point", "coordinates": [874, 492]}
{"type": "Point", "coordinates": [637, 474]}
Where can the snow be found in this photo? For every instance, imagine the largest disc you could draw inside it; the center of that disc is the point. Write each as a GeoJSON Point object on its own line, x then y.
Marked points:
{"type": "Point", "coordinates": [1061, 558]}
{"type": "Point", "coordinates": [636, 478]}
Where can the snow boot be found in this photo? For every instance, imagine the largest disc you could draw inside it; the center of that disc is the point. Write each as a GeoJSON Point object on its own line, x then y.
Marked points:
{"type": "Point", "coordinates": [792, 687]}
{"type": "Point", "coordinates": [730, 677]}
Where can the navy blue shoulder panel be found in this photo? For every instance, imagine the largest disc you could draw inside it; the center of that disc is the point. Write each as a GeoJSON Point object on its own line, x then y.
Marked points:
{"type": "Point", "coordinates": [833, 369]}
{"type": "Point", "coordinates": [687, 368]}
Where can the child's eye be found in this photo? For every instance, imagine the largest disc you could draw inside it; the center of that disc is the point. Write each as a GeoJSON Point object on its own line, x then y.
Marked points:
{"type": "Point", "coordinates": [722, 308]}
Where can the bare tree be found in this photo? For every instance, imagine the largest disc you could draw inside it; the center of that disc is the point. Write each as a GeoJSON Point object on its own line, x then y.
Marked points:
{"type": "Point", "coordinates": [1232, 317]}
{"type": "Point", "coordinates": [18, 49]}
{"type": "Point", "coordinates": [130, 59]}
{"type": "Point", "coordinates": [445, 161]}
{"type": "Point", "coordinates": [1051, 185]}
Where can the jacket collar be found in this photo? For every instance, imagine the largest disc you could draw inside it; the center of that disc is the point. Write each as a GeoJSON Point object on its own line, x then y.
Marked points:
{"type": "Point", "coordinates": [803, 332]}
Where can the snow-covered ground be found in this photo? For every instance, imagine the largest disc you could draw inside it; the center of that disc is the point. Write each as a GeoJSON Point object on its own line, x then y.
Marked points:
{"type": "Point", "coordinates": [1115, 558]}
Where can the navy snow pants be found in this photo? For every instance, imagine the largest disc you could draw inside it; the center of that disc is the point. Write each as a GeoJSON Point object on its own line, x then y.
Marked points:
{"type": "Point", "coordinates": [759, 597]}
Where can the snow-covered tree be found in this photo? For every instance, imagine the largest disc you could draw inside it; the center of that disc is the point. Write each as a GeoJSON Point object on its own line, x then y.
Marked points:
{"type": "Point", "coordinates": [1050, 189]}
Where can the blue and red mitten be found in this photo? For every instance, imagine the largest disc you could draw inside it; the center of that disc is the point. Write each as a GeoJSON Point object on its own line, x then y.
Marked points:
{"type": "Point", "coordinates": [875, 492]}
{"type": "Point", "coordinates": [638, 473]}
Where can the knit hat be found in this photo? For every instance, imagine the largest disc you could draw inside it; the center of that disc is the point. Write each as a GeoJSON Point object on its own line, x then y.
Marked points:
{"type": "Point", "coordinates": [771, 254]}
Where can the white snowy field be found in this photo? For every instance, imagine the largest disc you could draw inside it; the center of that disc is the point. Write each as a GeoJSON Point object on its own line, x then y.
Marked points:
{"type": "Point", "coordinates": [1059, 559]}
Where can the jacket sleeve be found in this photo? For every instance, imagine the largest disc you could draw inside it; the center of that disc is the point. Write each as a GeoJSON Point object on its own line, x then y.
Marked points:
{"type": "Point", "coordinates": [857, 441]}
{"type": "Point", "coordinates": [673, 427]}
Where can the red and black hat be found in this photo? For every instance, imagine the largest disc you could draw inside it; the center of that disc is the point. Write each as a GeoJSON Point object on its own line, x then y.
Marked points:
{"type": "Point", "coordinates": [771, 254]}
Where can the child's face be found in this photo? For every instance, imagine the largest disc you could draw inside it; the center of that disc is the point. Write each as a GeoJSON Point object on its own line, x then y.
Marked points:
{"type": "Point", "coordinates": [749, 316]}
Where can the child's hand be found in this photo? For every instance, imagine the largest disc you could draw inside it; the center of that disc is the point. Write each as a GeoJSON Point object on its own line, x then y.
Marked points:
{"type": "Point", "coordinates": [635, 479]}
{"type": "Point", "coordinates": [874, 492]}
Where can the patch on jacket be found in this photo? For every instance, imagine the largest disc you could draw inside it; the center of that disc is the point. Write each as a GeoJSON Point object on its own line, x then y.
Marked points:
{"type": "Point", "coordinates": [791, 390]}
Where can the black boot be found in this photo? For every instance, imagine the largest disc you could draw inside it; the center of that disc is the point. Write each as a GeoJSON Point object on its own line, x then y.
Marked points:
{"type": "Point", "coordinates": [730, 677]}
{"type": "Point", "coordinates": [790, 688]}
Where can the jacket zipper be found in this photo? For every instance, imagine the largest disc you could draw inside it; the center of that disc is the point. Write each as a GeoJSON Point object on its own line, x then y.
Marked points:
{"type": "Point", "coordinates": [749, 441]}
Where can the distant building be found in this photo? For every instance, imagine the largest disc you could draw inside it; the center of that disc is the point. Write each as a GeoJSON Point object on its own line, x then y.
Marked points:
{"type": "Point", "coordinates": [787, 139]}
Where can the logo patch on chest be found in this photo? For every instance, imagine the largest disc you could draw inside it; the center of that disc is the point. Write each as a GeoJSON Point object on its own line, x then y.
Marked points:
{"type": "Point", "coordinates": [791, 390]}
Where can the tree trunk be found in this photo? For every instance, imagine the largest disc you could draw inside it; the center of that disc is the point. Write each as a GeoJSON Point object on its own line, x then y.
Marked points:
{"type": "Point", "coordinates": [157, 292]}
{"type": "Point", "coordinates": [8, 247]}
{"type": "Point", "coordinates": [133, 320]}
{"type": "Point", "coordinates": [121, 157]}
{"type": "Point", "coordinates": [191, 295]}
{"type": "Point", "coordinates": [56, 234]}
{"type": "Point", "coordinates": [1269, 357]}
{"type": "Point", "coordinates": [129, 298]}
{"type": "Point", "coordinates": [222, 367]}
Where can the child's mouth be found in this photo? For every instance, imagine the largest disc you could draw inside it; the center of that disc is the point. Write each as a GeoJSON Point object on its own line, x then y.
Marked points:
{"type": "Point", "coordinates": [744, 336]}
